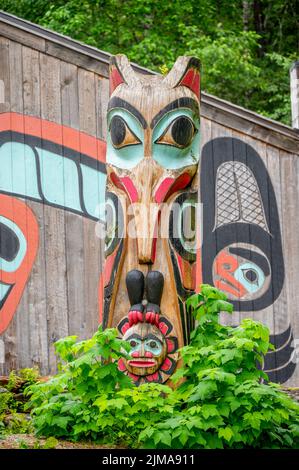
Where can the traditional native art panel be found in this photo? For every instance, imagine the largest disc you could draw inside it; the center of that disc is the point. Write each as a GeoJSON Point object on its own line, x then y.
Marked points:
{"type": "Point", "coordinates": [47, 163]}
{"type": "Point", "coordinates": [152, 160]}
{"type": "Point", "coordinates": [242, 248]}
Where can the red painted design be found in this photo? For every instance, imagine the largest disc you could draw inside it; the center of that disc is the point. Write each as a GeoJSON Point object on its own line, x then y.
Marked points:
{"type": "Point", "coordinates": [16, 211]}
{"type": "Point", "coordinates": [125, 184]}
{"type": "Point", "coordinates": [185, 268]}
{"type": "Point", "coordinates": [192, 80]}
{"type": "Point", "coordinates": [170, 185]}
{"type": "Point", "coordinates": [170, 345]}
{"type": "Point", "coordinates": [125, 328]}
{"type": "Point", "coordinates": [226, 264]}
{"type": "Point", "coordinates": [166, 365]}
{"type": "Point", "coordinates": [115, 80]}
{"type": "Point", "coordinates": [152, 377]}
{"type": "Point", "coordinates": [56, 133]}
{"type": "Point", "coordinates": [153, 318]}
{"type": "Point", "coordinates": [133, 376]}
{"type": "Point", "coordinates": [121, 365]}
{"type": "Point", "coordinates": [134, 317]}
{"type": "Point", "coordinates": [163, 328]}
{"type": "Point", "coordinates": [101, 298]}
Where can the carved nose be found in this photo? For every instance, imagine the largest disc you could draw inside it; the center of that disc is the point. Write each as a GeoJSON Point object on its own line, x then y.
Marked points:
{"type": "Point", "coordinates": [146, 211]}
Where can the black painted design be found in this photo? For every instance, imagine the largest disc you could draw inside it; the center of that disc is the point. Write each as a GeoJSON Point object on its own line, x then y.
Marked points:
{"type": "Point", "coordinates": [264, 233]}
{"type": "Point", "coordinates": [9, 243]}
{"type": "Point", "coordinates": [2, 301]}
{"type": "Point", "coordinates": [77, 157]}
{"type": "Point", "coordinates": [183, 102]}
{"type": "Point", "coordinates": [280, 365]}
{"type": "Point", "coordinates": [154, 284]}
{"type": "Point", "coordinates": [183, 243]}
{"type": "Point", "coordinates": [117, 102]}
{"type": "Point", "coordinates": [109, 288]}
{"type": "Point", "coordinates": [114, 223]}
{"type": "Point", "coordinates": [135, 288]}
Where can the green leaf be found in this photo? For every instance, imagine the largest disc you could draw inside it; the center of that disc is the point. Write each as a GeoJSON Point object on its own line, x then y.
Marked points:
{"type": "Point", "coordinates": [226, 433]}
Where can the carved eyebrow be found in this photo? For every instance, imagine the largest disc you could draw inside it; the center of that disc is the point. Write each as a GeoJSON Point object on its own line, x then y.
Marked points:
{"type": "Point", "coordinates": [134, 336]}
{"type": "Point", "coordinates": [116, 102]}
{"type": "Point", "coordinates": [183, 102]}
{"type": "Point", "coordinates": [258, 259]}
{"type": "Point", "coordinates": [151, 336]}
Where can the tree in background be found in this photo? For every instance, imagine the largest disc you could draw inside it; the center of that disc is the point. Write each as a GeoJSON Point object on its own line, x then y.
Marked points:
{"type": "Point", "coordinates": [246, 47]}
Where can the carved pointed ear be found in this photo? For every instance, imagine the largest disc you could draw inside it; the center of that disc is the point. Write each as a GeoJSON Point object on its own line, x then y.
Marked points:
{"type": "Point", "coordinates": [185, 72]}
{"type": "Point", "coordinates": [120, 71]}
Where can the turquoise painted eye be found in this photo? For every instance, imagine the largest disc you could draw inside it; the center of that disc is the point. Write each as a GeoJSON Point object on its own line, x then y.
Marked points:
{"type": "Point", "coordinates": [153, 346]}
{"type": "Point", "coordinates": [120, 133]}
{"type": "Point", "coordinates": [179, 134]}
{"type": "Point", "coordinates": [135, 344]}
{"type": "Point", "coordinates": [250, 276]}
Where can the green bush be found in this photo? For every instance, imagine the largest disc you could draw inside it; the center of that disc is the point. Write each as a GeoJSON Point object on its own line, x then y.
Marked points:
{"type": "Point", "coordinates": [220, 400]}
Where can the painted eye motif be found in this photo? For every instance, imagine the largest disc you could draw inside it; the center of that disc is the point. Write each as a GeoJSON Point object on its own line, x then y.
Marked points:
{"type": "Point", "coordinates": [134, 343]}
{"type": "Point", "coordinates": [179, 134]}
{"type": "Point", "coordinates": [121, 135]}
{"type": "Point", "coordinates": [250, 276]}
{"type": "Point", "coordinates": [153, 346]}
{"type": "Point", "coordinates": [9, 243]}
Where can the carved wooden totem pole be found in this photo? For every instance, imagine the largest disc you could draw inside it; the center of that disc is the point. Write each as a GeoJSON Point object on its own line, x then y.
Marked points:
{"type": "Point", "coordinates": [152, 163]}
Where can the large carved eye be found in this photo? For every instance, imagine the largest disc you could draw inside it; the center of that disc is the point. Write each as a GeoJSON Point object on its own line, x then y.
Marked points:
{"type": "Point", "coordinates": [153, 346]}
{"type": "Point", "coordinates": [135, 344]}
{"type": "Point", "coordinates": [121, 134]}
{"type": "Point", "coordinates": [179, 133]}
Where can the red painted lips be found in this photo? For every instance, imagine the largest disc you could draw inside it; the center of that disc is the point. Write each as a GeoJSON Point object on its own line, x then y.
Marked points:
{"type": "Point", "coordinates": [141, 363]}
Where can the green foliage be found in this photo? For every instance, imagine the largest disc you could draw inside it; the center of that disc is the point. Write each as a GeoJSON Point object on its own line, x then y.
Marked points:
{"type": "Point", "coordinates": [245, 54]}
{"type": "Point", "coordinates": [13, 419]}
{"type": "Point", "coordinates": [221, 399]}
{"type": "Point", "coordinates": [224, 402]}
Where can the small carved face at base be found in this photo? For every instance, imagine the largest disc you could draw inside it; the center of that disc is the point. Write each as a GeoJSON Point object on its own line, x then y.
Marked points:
{"type": "Point", "coordinates": [148, 349]}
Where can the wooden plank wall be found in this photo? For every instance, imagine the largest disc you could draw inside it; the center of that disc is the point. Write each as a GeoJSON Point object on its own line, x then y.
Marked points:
{"type": "Point", "coordinates": [60, 297]}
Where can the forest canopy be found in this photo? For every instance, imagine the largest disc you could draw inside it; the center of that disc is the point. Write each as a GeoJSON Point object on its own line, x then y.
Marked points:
{"type": "Point", "coordinates": [246, 47]}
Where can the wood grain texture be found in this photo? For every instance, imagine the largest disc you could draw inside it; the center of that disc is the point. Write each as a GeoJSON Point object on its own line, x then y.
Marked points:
{"type": "Point", "coordinates": [54, 221]}
{"type": "Point", "coordinates": [37, 290]}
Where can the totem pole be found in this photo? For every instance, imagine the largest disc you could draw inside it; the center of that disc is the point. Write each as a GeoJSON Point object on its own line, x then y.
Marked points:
{"type": "Point", "coordinates": [152, 163]}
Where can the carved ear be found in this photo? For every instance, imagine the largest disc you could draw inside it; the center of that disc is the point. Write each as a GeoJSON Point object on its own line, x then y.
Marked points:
{"type": "Point", "coordinates": [185, 72]}
{"type": "Point", "coordinates": [120, 71]}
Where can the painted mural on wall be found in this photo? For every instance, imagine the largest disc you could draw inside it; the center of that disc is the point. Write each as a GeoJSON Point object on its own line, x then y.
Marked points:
{"type": "Point", "coordinates": [242, 248]}
{"type": "Point", "coordinates": [151, 183]}
{"type": "Point", "coordinates": [44, 162]}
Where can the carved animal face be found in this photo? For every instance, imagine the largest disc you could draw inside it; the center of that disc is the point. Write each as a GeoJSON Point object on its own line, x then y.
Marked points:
{"type": "Point", "coordinates": [153, 140]}
{"type": "Point", "coordinates": [148, 349]}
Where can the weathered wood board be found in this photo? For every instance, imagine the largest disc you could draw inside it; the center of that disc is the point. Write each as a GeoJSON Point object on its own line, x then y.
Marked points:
{"type": "Point", "coordinates": [53, 103]}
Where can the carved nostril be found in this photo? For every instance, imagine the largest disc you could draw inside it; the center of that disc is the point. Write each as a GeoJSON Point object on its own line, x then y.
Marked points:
{"type": "Point", "coordinates": [135, 354]}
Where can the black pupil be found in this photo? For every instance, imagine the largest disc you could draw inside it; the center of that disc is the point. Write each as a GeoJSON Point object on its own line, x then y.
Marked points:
{"type": "Point", "coordinates": [251, 275]}
{"type": "Point", "coordinates": [182, 131]}
{"type": "Point", "coordinates": [153, 344]}
{"type": "Point", "coordinates": [117, 130]}
{"type": "Point", "coordinates": [133, 344]}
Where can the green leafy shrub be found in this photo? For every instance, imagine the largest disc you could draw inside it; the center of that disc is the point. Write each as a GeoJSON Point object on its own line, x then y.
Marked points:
{"type": "Point", "coordinates": [220, 399]}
